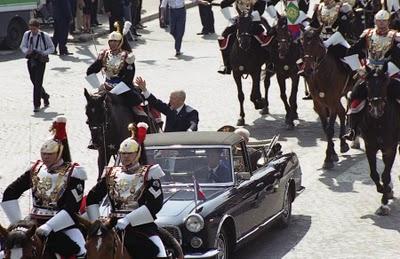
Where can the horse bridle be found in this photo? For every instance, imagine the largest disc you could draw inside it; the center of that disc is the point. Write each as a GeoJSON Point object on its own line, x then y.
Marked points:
{"type": "Point", "coordinates": [316, 61]}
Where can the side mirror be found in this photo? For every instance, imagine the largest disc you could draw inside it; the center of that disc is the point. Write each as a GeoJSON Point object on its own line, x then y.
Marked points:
{"type": "Point", "coordinates": [244, 176]}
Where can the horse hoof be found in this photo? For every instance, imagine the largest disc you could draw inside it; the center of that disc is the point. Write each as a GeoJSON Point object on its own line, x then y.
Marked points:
{"type": "Point", "coordinates": [240, 122]}
{"type": "Point", "coordinates": [379, 188]}
{"type": "Point", "coordinates": [335, 157]}
{"type": "Point", "coordinates": [259, 103]}
{"type": "Point", "coordinates": [295, 116]}
{"type": "Point", "coordinates": [390, 195]}
{"type": "Point", "coordinates": [355, 144]}
{"type": "Point", "coordinates": [264, 111]}
{"type": "Point", "coordinates": [328, 165]}
{"type": "Point", "coordinates": [344, 148]}
{"type": "Point", "coordinates": [383, 210]}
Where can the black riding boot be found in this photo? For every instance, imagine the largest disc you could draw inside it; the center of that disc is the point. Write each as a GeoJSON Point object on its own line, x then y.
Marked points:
{"type": "Point", "coordinates": [354, 119]}
{"type": "Point", "coordinates": [226, 68]}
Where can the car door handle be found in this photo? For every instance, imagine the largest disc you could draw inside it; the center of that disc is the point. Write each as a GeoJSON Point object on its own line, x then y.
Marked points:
{"type": "Point", "coordinates": [260, 186]}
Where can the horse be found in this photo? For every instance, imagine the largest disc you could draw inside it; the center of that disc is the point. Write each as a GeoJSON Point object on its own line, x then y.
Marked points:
{"type": "Point", "coordinates": [328, 81]}
{"type": "Point", "coordinates": [246, 58]}
{"type": "Point", "coordinates": [104, 242]}
{"type": "Point", "coordinates": [20, 241]}
{"type": "Point", "coordinates": [284, 53]}
{"type": "Point", "coordinates": [108, 120]}
{"type": "Point", "coordinates": [380, 127]}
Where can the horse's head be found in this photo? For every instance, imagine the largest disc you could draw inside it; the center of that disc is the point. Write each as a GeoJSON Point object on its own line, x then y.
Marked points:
{"type": "Point", "coordinates": [96, 116]}
{"type": "Point", "coordinates": [314, 49]}
{"type": "Point", "coordinates": [20, 241]}
{"type": "Point", "coordinates": [377, 82]}
{"type": "Point", "coordinates": [243, 33]}
{"type": "Point", "coordinates": [102, 241]}
{"type": "Point", "coordinates": [283, 37]}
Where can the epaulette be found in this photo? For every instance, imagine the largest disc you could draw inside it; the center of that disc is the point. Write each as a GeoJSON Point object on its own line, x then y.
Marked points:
{"type": "Point", "coordinates": [365, 33]}
{"type": "Point", "coordinates": [130, 59]}
{"type": "Point", "coordinates": [78, 172]}
{"type": "Point", "coordinates": [155, 172]}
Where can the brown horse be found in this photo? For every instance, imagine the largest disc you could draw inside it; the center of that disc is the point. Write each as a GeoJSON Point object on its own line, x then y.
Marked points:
{"type": "Point", "coordinates": [328, 82]}
{"type": "Point", "coordinates": [103, 241]}
{"type": "Point", "coordinates": [22, 242]}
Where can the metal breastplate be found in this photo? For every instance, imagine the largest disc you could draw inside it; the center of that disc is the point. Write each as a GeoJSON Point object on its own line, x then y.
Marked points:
{"type": "Point", "coordinates": [113, 63]}
{"type": "Point", "coordinates": [327, 16]}
{"type": "Point", "coordinates": [125, 189]}
{"type": "Point", "coordinates": [379, 45]}
{"type": "Point", "coordinates": [47, 188]}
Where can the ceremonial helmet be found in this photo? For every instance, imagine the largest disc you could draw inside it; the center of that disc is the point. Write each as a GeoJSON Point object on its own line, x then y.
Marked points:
{"type": "Point", "coordinates": [58, 143]}
{"type": "Point", "coordinates": [134, 143]}
{"type": "Point", "coordinates": [382, 15]}
{"type": "Point", "coordinates": [245, 5]}
{"type": "Point", "coordinates": [117, 34]}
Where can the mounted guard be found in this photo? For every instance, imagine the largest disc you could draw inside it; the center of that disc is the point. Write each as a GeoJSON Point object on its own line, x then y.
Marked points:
{"type": "Point", "coordinates": [57, 186]}
{"type": "Point", "coordinates": [254, 8]}
{"type": "Point", "coordinates": [136, 197]}
{"type": "Point", "coordinates": [381, 46]}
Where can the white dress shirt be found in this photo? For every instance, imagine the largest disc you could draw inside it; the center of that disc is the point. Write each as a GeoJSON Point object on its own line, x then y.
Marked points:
{"type": "Point", "coordinates": [35, 42]}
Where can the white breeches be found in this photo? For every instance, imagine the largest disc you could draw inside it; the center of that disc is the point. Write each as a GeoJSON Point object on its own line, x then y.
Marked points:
{"type": "Point", "coordinates": [78, 238]}
{"type": "Point", "coordinates": [157, 241]}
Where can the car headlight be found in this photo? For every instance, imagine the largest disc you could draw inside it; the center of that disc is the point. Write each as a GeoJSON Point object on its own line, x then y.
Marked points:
{"type": "Point", "coordinates": [194, 223]}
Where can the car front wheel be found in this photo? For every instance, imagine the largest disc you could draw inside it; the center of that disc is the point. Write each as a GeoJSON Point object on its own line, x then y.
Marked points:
{"type": "Point", "coordinates": [223, 245]}
{"type": "Point", "coordinates": [286, 215]}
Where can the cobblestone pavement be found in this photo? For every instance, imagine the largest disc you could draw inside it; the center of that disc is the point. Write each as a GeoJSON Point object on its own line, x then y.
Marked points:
{"type": "Point", "coordinates": [333, 218]}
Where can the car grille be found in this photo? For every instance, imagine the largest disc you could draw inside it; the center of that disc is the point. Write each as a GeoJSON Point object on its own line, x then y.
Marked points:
{"type": "Point", "coordinates": [175, 232]}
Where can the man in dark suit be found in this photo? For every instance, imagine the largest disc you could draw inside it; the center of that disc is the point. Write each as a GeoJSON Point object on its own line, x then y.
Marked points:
{"type": "Point", "coordinates": [216, 171]}
{"type": "Point", "coordinates": [114, 11]}
{"type": "Point", "coordinates": [62, 19]}
{"type": "Point", "coordinates": [179, 116]}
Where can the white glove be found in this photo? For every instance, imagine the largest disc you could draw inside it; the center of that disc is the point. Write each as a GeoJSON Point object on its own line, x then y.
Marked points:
{"type": "Point", "coordinates": [43, 230]}
{"type": "Point", "coordinates": [121, 224]}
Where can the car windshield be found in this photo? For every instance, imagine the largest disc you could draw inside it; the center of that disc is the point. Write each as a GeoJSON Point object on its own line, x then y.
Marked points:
{"type": "Point", "coordinates": [182, 165]}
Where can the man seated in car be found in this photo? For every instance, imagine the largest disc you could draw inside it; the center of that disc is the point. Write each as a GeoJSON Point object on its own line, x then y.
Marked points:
{"type": "Point", "coordinates": [254, 154]}
{"type": "Point", "coordinates": [216, 171]}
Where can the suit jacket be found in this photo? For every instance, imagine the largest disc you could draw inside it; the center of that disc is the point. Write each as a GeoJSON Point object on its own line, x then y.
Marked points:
{"type": "Point", "coordinates": [186, 119]}
{"type": "Point", "coordinates": [221, 175]}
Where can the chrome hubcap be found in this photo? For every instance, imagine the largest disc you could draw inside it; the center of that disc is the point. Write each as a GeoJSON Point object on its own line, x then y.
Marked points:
{"type": "Point", "coordinates": [221, 247]}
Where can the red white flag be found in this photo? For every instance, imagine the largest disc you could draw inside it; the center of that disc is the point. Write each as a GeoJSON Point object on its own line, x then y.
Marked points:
{"type": "Point", "coordinates": [200, 195]}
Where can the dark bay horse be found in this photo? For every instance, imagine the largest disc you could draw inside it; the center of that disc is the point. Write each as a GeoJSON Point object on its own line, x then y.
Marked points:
{"type": "Point", "coordinates": [104, 242]}
{"type": "Point", "coordinates": [246, 58]}
{"type": "Point", "coordinates": [108, 120]}
{"type": "Point", "coordinates": [380, 129]}
{"type": "Point", "coordinates": [20, 241]}
{"type": "Point", "coordinates": [284, 54]}
{"type": "Point", "coordinates": [328, 81]}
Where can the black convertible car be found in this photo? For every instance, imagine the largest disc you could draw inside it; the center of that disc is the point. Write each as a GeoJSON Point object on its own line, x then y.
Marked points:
{"type": "Point", "coordinates": [218, 191]}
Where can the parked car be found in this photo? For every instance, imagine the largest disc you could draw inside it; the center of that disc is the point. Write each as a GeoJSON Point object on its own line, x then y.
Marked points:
{"type": "Point", "coordinates": [218, 190]}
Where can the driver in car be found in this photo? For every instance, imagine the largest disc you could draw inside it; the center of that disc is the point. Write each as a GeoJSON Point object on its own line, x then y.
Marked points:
{"type": "Point", "coordinates": [216, 171]}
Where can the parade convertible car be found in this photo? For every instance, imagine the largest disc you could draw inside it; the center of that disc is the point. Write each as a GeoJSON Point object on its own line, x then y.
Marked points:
{"type": "Point", "coordinates": [218, 191]}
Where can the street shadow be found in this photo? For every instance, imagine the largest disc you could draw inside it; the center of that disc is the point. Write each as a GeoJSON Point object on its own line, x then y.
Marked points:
{"type": "Point", "coordinates": [60, 69]}
{"type": "Point", "coordinates": [341, 178]}
{"type": "Point", "coordinates": [275, 242]}
{"type": "Point", "coordinates": [306, 132]}
{"type": "Point", "coordinates": [392, 221]}
{"type": "Point", "coordinates": [46, 116]}
{"type": "Point", "coordinates": [148, 62]}
{"type": "Point", "coordinates": [211, 36]}
{"type": "Point", "coordinates": [71, 58]}
{"type": "Point", "coordinates": [11, 55]}
{"type": "Point", "coordinates": [182, 57]}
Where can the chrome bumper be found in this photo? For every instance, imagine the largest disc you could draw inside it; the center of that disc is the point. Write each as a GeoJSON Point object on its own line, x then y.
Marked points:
{"type": "Point", "coordinates": [299, 191]}
{"type": "Point", "coordinates": [209, 254]}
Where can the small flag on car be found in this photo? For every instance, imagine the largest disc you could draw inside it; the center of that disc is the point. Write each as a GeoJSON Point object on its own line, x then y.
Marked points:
{"type": "Point", "coordinates": [198, 192]}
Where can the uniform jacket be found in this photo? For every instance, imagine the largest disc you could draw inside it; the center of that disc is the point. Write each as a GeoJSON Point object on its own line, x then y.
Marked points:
{"type": "Point", "coordinates": [187, 118]}
{"type": "Point", "coordinates": [70, 193]}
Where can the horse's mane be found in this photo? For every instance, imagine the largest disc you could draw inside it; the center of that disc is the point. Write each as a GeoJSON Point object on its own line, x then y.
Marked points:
{"type": "Point", "coordinates": [19, 234]}
{"type": "Point", "coordinates": [104, 226]}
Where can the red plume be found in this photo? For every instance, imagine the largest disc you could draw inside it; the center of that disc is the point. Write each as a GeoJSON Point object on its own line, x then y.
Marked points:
{"type": "Point", "coordinates": [141, 132]}
{"type": "Point", "coordinates": [60, 129]}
